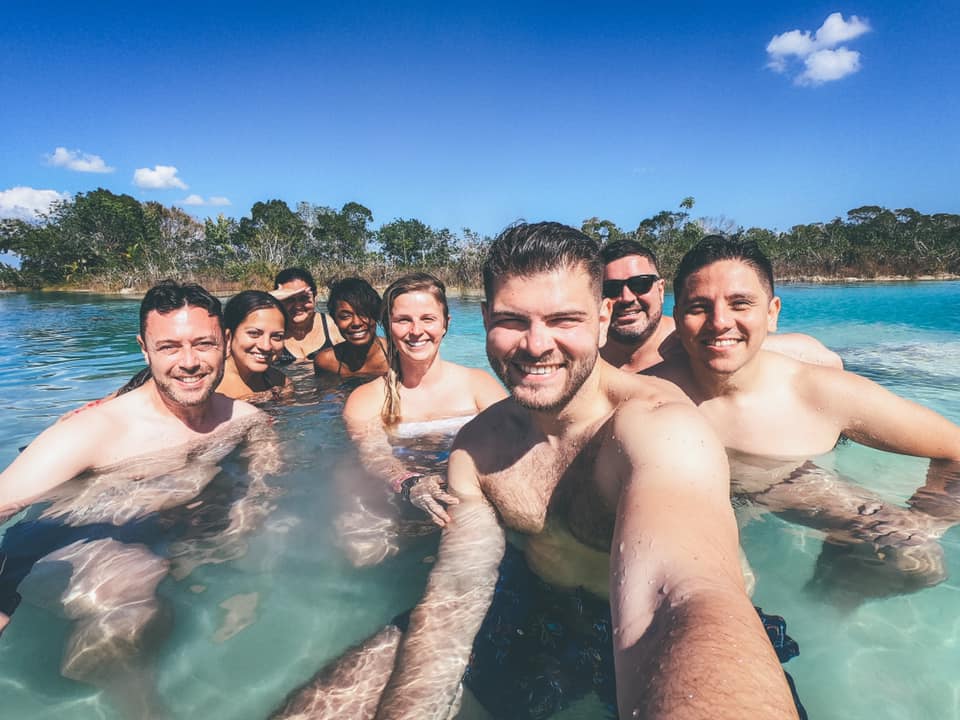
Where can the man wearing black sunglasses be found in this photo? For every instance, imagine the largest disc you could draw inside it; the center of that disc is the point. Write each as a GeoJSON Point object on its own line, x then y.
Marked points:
{"type": "Point", "coordinates": [641, 336]}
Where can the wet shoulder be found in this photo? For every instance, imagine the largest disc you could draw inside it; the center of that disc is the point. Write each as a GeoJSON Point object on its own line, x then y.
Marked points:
{"type": "Point", "coordinates": [649, 389]}
{"type": "Point", "coordinates": [493, 427]}
{"type": "Point", "coordinates": [326, 360]}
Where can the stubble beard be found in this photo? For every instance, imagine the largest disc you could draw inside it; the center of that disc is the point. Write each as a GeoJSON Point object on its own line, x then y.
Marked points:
{"type": "Point", "coordinates": [632, 335]}
{"type": "Point", "coordinates": [577, 373]}
{"type": "Point", "coordinates": [167, 388]}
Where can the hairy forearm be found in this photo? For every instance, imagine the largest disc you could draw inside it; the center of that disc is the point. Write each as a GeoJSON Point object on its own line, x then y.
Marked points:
{"type": "Point", "coordinates": [436, 647]}
{"type": "Point", "coordinates": [703, 654]}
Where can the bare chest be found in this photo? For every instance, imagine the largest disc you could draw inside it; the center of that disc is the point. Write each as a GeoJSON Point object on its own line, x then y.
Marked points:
{"type": "Point", "coordinates": [553, 485]}
{"type": "Point", "coordinates": [779, 426]}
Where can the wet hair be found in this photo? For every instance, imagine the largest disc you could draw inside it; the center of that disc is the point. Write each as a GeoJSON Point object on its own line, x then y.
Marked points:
{"type": "Point", "coordinates": [169, 295]}
{"type": "Point", "coordinates": [714, 248]}
{"type": "Point", "coordinates": [295, 273]}
{"type": "Point", "coordinates": [414, 282]}
{"type": "Point", "coordinates": [527, 249]}
{"type": "Point", "coordinates": [359, 294]}
{"type": "Point", "coordinates": [625, 248]}
{"type": "Point", "coordinates": [246, 302]}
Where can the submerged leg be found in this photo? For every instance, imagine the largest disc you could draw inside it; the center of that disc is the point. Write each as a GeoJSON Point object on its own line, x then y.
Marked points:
{"type": "Point", "coordinates": [110, 595]}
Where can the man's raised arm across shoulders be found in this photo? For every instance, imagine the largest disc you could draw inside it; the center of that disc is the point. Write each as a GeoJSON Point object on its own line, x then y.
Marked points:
{"type": "Point", "coordinates": [688, 643]}
{"type": "Point", "coordinates": [435, 649]}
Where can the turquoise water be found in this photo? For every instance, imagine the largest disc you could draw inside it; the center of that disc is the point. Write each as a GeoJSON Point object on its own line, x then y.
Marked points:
{"type": "Point", "coordinates": [297, 602]}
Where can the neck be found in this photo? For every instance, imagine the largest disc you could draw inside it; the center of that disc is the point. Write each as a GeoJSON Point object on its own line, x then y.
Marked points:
{"type": "Point", "coordinates": [253, 380]}
{"type": "Point", "coordinates": [415, 373]}
{"type": "Point", "coordinates": [299, 331]}
{"type": "Point", "coordinates": [195, 417]}
{"type": "Point", "coordinates": [713, 384]}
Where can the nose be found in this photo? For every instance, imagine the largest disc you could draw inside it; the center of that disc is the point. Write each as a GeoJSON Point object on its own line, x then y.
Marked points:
{"type": "Point", "coordinates": [720, 317]}
{"type": "Point", "coordinates": [537, 341]}
{"type": "Point", "coordinates": [626, 295]}
{"type": "Point", "coordinates": [189, 358]}
{"type": "Point", "coordinates": [264, 343]}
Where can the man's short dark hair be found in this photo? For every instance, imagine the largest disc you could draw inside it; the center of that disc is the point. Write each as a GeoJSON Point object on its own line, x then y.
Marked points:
{"type": "Point", "coordinates": [359, 294]}
{"type": "Point", "coordinates": [169, 295]}
{"type": "Point", "coordinates": [625, 248]}
{"type": "Point", "coordinates": [714, 248]}
{"type": "Point", "coordinates": [529, 249]}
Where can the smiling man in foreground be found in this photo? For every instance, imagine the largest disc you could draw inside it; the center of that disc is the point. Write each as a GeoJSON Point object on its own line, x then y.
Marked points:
{"type": "Point", "coordinates": [624, 550]}
{"type": "Point", "coordinates": [108, 482]}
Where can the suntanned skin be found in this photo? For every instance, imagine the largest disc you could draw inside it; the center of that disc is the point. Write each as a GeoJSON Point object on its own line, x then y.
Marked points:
{"type": "Point", "coordinates": [97, 467]}
{"type": "Point", "coordinates": [360, 354]}
{"type": "Point", "coordinates": [582, 459]}
{"type": "Point", "coordinates": [641, 336]}
{"type": "Point", "coordinates": [430, 388]}
{"type": "Point", "coordinates": [764, 405]}
{"type": "Point", "coordinates": [304, 332]}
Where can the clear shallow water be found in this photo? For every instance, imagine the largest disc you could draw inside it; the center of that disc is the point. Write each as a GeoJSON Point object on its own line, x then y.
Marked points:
{"type": "Point", "coordinates": [248, 631]}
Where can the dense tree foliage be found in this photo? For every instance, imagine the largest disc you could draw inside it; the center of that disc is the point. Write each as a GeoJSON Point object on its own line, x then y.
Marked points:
{"type": "Point", "coordinates": [111, 241]}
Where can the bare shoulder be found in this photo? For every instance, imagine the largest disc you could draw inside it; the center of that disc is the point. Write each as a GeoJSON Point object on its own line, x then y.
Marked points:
{"type": "Point", "coordinates": [364, 403]}
{"type": "Point", "coordinates": [654, 391]}
{"type": "Point", "coordinates": [486, 389]}
{"type": "Point", "coordinates": [500, 420]}
{"type": "Point", "coordinates": [675, 370]}
{"type": "Point", "coordinates": [326, 361]}
{"type": "Point", "coordinates": [230, 409]}
{"type": "Point", "coordinates": [805, 348]}
{"type": "Point", "coordinates": [673, 440]}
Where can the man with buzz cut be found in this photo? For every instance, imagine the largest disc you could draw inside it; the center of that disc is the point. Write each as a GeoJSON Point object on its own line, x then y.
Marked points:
{"type": "Point", "coordinates": [774, 414]}
{"type": "Point", "coordinates": [620, 575]}
{"type": "Point", "coordinates": [97, 485]}
{"type": "Point", "coordinates": [641, 336]}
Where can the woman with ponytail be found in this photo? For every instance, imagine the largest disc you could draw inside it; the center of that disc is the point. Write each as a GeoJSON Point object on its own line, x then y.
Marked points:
{"type": "Point", "coordinates": [419, 393]}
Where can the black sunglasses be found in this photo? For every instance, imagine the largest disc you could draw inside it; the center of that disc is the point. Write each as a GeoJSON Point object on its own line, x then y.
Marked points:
{"type": "Point", "coordinates": [638, 284]}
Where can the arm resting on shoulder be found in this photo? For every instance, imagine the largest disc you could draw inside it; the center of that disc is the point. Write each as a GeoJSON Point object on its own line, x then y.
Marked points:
{"type": "Point", "coordinates": [804, 348]}
{"type": "Point", "coordinates": [434, 652]}
{"type": "Point", "coordinates": [687, 643]}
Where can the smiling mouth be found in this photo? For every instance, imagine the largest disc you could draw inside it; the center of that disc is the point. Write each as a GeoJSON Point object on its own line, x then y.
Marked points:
{"type": "Point", "coordinates": [190, 379]}
{"type": "Point", "coordinates": [541, 370]}
{"type": "Point", "coordinates": [415, 343]}
{"type": "Point", "coordinates": [722, 342]}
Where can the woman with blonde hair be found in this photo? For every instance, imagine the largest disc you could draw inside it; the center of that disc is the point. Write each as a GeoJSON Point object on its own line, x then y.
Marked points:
{"type": "Point", "coordinates": [420, 393]}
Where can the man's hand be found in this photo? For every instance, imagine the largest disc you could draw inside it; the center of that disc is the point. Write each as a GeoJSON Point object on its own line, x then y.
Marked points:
{"type": "Point", "coordinates": [430, 495]}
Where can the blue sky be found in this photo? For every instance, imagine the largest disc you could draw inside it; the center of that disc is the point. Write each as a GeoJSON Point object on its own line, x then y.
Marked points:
{"type": "Point", "coordinates": [479, 114]}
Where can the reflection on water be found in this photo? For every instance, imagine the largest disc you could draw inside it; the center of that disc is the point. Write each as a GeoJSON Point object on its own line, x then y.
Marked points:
{"type": "Point", "coordinates": [231, 639]}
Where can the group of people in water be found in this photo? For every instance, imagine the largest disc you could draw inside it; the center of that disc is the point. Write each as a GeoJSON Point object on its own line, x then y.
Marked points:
{"type": "Point", "coordinates": [609, 454]}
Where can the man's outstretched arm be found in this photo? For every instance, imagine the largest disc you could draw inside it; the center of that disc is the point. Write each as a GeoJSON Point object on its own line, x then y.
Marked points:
{"type": "Point", "coordinates": [687, 643]}
{"type": "Point", "coordinates": [435, 649]}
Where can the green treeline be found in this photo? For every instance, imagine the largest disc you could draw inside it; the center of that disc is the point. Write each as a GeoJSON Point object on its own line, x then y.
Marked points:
{"type": "Point", "coordinates": [107, 241]}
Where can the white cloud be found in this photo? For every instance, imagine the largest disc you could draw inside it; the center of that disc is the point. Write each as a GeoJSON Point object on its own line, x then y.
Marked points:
{"type": "Point", "coordinates": [822, 60]}
{"type": "Point", "coordinates": [162, 177]}
{"type": "Point", "coordinates": [198, 200]}
{"type": "Point", "coordinates": [26, 203]}
{"type": "Point", "coordinates": [826, 65]}
{"type": "Point", "coordinates": [78, 161]}
{"type": "Point", "coordinates": [836, 30]}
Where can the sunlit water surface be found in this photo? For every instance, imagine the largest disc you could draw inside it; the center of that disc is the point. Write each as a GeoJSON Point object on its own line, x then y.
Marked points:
{"type": "Point", "coordinates": [246, 632]}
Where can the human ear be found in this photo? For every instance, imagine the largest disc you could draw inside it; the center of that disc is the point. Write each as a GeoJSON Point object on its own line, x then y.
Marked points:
{"type": "Point", "coordinates": [773, 313]}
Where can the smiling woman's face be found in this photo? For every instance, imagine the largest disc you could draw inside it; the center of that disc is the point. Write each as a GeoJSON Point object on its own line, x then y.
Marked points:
{"type": "Point", "coordinates": [258, 340]}
{"type": "Point", "coordinates": [417, 325]}
{"type": "Point", "coordinates": [355, 328]}
{"type": "Point", "coordinates": [300, 307]}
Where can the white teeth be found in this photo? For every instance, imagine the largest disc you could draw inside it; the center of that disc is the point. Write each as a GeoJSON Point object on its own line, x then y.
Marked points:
{"type": "Point", "coordinates": [416, 343]}
{"type": "Point", "coordinates": [723, 343]}
{"type": "Point", "coordinates": [538, 369]}
{"type": "Point", "coordinates": [192, 380]}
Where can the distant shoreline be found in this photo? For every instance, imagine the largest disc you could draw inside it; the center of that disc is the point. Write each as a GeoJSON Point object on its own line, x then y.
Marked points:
{"type": "Point", "coordinates": [225, 291]}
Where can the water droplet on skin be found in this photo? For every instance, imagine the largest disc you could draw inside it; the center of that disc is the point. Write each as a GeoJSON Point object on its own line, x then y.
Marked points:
{"type": "Point", "coordinates": [621, 548]}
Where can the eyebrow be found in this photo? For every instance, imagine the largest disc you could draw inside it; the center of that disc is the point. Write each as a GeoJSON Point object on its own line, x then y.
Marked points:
{"type": "Point", "coordinates": [501, 314]}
